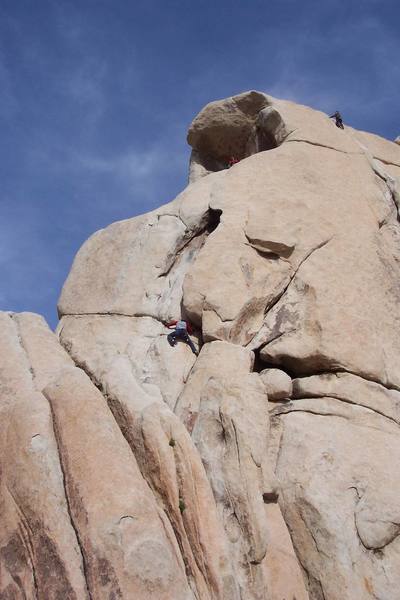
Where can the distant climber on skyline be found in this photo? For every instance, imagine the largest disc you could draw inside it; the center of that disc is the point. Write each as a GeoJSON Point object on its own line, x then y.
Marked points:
{"type": "Point", "coordinates": [338, 119]}
{"type": "Point", "coordinates": [182, 329]}
{"type": "Point", "coordinates": [232, 161]}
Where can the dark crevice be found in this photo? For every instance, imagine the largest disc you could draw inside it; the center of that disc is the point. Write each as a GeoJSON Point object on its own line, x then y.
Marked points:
{"type": "Point", "coordinates": [214, 219]}
{"type": "Point", "coordinates": [265, 140]}
{"type": "Point", "coordinates": [264, 253]}
{"type": "Point", "coordinates": [300, 369]}
{"type": "Point", "coordinates": [258, 365]}
{"type": "Point", "coordinates": [270, 497]}
{"type": "Point", "coordinates": [261, 365]}
{"type": "Point", "coordinates": [211, 163]}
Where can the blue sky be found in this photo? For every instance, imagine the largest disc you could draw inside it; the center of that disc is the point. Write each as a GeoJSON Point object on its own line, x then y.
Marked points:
{"type": "Point", "coordinates": [96, 98]}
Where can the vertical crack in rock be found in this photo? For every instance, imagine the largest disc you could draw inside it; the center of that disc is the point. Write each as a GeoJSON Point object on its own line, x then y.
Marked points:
{"type": "Point", "coordinates": [391, 188]}
{"type": "Point", "coordinates": [315, 586]}
{"type": "Point", "coordinates": [141, 449]}
{"type": "Point", "coordinates": [386, 178]}
{"type": "Point", "coordinates": [25, 533]}
{"type": "Point", "coordinates": [312, 584]}
{"type": "Point", "coordinates": [159, 493]}
{"type": "Point", "coordinates": [236, 443]}
{"type": "Point", "coordinates": [74, 526]}
{"type": "Point", "coordinates": [359, 536]}
{"type": "Point", "coordinates": [185, 246]}
{"type": "Point", "coordinates": [23, 347]}
{"type": "Point", "coordinates": [36, 543]}
{"type": "Point", "coordinates": [297, 551]}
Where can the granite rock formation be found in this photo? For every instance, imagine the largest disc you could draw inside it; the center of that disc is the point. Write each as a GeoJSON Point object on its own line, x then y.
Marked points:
{"type": "Point", "coordinates": [265, 467]}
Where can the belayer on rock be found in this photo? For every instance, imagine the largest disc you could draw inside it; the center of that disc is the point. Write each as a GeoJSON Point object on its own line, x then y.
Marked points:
{"type": "Point", "coordinates": [182, 329]}
{"type": "Point", "coordinates": [338, 119]}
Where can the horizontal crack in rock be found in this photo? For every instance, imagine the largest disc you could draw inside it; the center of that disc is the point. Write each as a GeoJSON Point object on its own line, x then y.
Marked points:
{"type": "Point", "coordinates": [288, 409]}
{"type": "Point", "coordinates": [343, 370]}
{"type": "Point", "coordinates": [325, 146]}
{"type": "Point", "coordinates": [347, 401]}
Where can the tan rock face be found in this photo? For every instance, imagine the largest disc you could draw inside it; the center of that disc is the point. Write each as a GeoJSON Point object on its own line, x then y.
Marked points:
{"type": "Point", "coordinates": [263, 469]}
{"type": "Point", "coordinates": [40, 554]}
{"type": "Point", "coordinates": [81, 520]}
{"type": "Point", "coordinates": [278, 384]}
{"type": "Point", "coordinates": [340, 496]}
{"type": "Point", "coordinates": [127, 541]}
{"type": "Point", "coordinates": [135, 377]}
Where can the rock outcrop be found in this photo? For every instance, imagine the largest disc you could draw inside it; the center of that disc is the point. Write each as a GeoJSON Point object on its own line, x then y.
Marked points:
{"type": "Point", "coordinates": [264, 468]}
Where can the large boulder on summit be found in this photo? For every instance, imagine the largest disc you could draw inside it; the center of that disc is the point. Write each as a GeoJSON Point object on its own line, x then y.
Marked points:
{"type": "Point", "coordinates": [263, 468]}
{"type": "Point", "coordinates": [223, 128]}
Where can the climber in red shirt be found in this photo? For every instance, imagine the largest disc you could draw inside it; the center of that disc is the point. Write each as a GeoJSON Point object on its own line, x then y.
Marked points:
{"type": "Point", "coordinates": [232, 161]}
{"type": "Point", "coordinates": [181, 332]}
